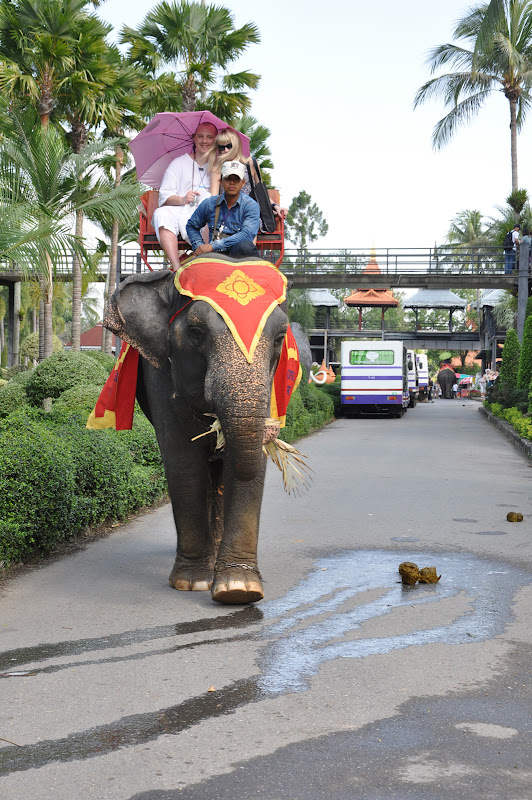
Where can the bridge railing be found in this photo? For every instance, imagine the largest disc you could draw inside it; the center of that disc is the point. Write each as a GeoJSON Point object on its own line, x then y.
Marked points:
{"type": "Point", "coordinates": [395, 261]}
{"type": "Point", "coordinates": [391, 261]}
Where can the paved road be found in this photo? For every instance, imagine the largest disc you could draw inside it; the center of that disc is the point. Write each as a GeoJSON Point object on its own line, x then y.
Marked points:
{"type": "Point", "coordinates": [342, 684]}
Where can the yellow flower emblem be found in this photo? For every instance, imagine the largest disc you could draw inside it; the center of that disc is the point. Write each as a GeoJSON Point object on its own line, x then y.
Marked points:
{"type": "Point", "coordinates": [240, 287]}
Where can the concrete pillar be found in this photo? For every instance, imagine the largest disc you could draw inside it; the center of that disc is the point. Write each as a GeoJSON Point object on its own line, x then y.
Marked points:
{"type": "Point", "coordinates": [522, 287]}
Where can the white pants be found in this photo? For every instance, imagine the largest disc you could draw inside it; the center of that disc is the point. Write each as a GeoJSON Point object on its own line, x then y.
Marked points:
{"type": "Point", "coordinates": [174, 218]}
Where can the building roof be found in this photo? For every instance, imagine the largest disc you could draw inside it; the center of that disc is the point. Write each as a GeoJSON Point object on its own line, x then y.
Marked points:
{"type": "Point", "coordinates": [434, 298]}
{"type": "Point", "coordinates": [93, 337]}
{"type": "Point", "coordinates": [323, 297]}
{"type": "Point", "coordinates": [371, 297]}
{"type": "Point", "coordinates": [363, 298]}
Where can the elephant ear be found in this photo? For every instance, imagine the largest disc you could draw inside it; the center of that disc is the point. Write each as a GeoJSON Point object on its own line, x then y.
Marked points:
{"type": "Point", "coordinates": [139, 311]}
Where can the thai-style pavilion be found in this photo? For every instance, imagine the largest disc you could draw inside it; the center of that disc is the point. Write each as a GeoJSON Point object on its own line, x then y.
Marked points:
{"type": "Point", "coordinates": [435, 299]}
{"type": "Point", "coordinates": [372, 298]}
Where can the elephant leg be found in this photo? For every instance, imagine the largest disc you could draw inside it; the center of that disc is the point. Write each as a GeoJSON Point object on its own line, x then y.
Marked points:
{"type": "Point", "coordinates": [237, 579]}
{"type": "Point", "coordinates": [187, 470]}
{"type": "Point", "coordinates": [189, 488]}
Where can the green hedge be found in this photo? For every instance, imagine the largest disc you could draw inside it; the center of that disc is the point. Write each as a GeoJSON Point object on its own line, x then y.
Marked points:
{"type": "Point", "coordinates": [62, 371]}
{"type": "Point", "coordinates": [58, 478]}
{"type": "Point", "coordinates": [521, 423]}
{"type": "Point", "coordinates": [309, 409]}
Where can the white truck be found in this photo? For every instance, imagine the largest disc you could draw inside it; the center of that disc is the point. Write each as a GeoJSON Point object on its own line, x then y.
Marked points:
{"type": "Point", "coordinates": [374, 377]}
{"type": "Point", "coordinates": [413, 383]}
{"type": "Point", "coordinates": [422, 362]}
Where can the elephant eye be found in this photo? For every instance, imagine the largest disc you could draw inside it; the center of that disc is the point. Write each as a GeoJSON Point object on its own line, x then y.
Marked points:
{"type": "Point", "coordinates": [196, 334]}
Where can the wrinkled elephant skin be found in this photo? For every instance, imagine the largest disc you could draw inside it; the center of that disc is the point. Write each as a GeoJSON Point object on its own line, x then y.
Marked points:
{"type": "Point", "coordinates": [446, 378]}
{"type": "Point", "coordinates": [191, 367]}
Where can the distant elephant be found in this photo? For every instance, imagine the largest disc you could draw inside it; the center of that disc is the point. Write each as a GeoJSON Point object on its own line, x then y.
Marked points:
{"type": "Point", "coordinates": [190, 366]}
{"type": "Point", "coordinates": [446, 378]}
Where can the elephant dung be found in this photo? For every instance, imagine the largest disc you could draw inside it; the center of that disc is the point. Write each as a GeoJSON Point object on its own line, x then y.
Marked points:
{"type": "Point", "coordinates": [428, 575]}
{"type": "Point", "coordinates": [409, 572]}
{"type": "Point", "coordinates": [514, 516]}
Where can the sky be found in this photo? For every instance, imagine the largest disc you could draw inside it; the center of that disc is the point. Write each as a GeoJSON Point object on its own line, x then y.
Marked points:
{"type": "Point", "coordinates": [338, 83]}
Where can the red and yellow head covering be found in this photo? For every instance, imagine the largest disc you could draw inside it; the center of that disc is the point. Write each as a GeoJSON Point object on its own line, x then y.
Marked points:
{"type": "Point", "coordinates": [244, 295]}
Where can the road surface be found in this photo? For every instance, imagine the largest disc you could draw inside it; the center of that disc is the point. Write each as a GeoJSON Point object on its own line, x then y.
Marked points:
{"type": "Point", "coordinates": [342, 684]}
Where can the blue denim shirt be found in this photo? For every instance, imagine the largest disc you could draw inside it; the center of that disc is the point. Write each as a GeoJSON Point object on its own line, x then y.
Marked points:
{"type": "Point", "coordinates": [241, 221]}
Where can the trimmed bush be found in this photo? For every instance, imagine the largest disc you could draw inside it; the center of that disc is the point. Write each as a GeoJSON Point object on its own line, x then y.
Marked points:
{"type": "Point", "coordinates": [309, 408]}
{"type": "Point", "coordinates": [62, 371]}
{"type": "Point", "coordinates": [58, 478]}
{"type": "Point", "coordinates": [524, 374]}
{"type": "Point", "coordinates": [30, 345]}
{"type": "Point", "coordinates": [522, 424]}
{"type": "Point", "coordinates": [10, 372]}
{"type": "Point", "coordinates": [12, 396]}
{"type": "Point", "coordinates": [107, 361]}
{"type": "Point", "coordinates": [80, 399]}
{"type": "Point", "coordinates": [510, 360]}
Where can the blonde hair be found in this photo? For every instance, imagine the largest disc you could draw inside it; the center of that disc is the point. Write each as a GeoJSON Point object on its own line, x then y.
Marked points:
{"type": "Point", "coordinates": [216, 159]}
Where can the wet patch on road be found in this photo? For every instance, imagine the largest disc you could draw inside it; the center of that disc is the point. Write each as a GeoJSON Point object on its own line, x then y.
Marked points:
{"type": "Point", "coordinates": [404, 539]}
{"type": "Point", "coordinates": [311, 624]}
{"type": "Point", "coordinates": [465, 746]}
{"type": "Point", "coordinates": [10, 659]}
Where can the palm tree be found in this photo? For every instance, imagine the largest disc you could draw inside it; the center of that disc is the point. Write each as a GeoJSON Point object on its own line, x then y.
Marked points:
{"type": "Point", "coordinates": [40, 174]}
{"type": "Point", "coordinates": [43, 52]}
{"type": "Point", "coordinates": [468, 235]}
{"type": "Point", "coordinates": [201, 41]}
{"type": "Point", "coordinates": [499, 58]}
{"type": "Point", "coordinates": [258, 135]}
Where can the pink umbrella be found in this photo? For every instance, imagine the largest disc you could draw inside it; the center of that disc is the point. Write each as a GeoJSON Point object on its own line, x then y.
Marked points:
{"type": "Point", "coordinates": [168, 136]}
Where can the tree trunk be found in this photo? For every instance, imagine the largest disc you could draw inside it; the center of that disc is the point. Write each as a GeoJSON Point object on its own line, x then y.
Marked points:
{"type": "Point", "coordinates": [48, 300]}
{"type": "Point", "coordinates": [513, 137]}
{"type": "Point", "coordinates": [76, 288]}
{"type": "Point", "coordinates": [107, 343]}
{"type": "Point", "coordinates": [189, 94]}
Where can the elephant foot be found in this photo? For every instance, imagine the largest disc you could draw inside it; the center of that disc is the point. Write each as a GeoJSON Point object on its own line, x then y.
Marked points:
{"type": "Point", "coordinates": [236, 584]}
{"type": "Point", "coordinates": [191, 579]}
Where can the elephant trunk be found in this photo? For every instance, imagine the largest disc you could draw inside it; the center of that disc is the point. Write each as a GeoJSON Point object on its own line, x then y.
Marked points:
{"type": "Point", "coordinates": [242, 408]}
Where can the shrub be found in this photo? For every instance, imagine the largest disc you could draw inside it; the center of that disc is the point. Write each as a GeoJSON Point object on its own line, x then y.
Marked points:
{"type": "Point", "coordinates": [2, 382]}
{"type": "Point", "coordinates": [57, 477]}
{"type": "Point", "coordinates": [10, 372]}
{"type": "Point", "coordinates": [309, 408]}
{"type": "Point", "coordinates": [510, 360]}
{"type": "Point", "coordinates": [107, 361]}
{"type": "Point", "coordinates": [62, 371]}
{"type": "Point", "coordinates": [30, 345]}
{"type": "Point", "coordinates": [524, 374]}
{"type": "Point", "coordinates": [12, 396]}
{"type": "Point", "coordinates": [37, 488]}
{"type": "Point", "coordinates": [521, 423]}
{"type": "Point", "coordinates": [80, 399]}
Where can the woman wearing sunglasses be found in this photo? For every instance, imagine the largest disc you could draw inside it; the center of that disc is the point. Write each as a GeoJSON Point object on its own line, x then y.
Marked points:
{"type": "Point", "coordinates": [228, 147]}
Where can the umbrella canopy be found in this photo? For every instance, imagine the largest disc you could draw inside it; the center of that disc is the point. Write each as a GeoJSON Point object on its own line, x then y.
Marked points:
{"type": "Point", "coordinates": [168, 136]}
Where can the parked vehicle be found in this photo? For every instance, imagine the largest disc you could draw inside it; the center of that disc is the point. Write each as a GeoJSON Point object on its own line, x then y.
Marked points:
{"type": "Point", "coordinates": [374, 377]}
{"type": "Point", "coordinates": [422, 363]}
{"type": "Point", "coordinates": [413, 381]}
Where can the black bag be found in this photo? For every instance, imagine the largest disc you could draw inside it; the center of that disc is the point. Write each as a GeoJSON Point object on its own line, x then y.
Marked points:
{"type": "Point", "coordinates": [260, 193]}
{"type": "Point", "coordinates": [508, 244]}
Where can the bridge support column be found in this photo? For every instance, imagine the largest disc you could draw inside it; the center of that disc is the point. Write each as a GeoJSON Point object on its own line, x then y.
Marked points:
{"type": "Point", "coordinates": [522, 288]}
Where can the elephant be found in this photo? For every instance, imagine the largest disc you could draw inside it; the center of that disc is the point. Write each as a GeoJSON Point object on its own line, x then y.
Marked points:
{"type": "Point", "coordinates": [446, 378]}
{"type": "Point", "coordinates": [190, 366]}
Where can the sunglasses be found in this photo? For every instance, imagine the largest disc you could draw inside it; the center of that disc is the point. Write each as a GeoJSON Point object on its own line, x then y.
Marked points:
{"type": "Point", "coordinates": [222, 147]}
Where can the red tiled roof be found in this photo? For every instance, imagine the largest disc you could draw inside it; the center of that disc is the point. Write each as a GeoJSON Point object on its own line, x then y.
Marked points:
{"type": "Point", "coordinates": [93, 337]}
{"type": "Point", "coordinates": [371, 297]}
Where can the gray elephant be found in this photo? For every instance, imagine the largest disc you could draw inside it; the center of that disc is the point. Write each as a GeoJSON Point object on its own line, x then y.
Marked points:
{"type": "Point", "coordinates": [191, 366]}
{"type": "Point", "coordinates": [446, 378]}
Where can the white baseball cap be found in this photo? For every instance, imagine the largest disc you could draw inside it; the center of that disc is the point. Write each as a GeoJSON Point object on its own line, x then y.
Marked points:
{"type": "Point", "coordinates": [233, 168]}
